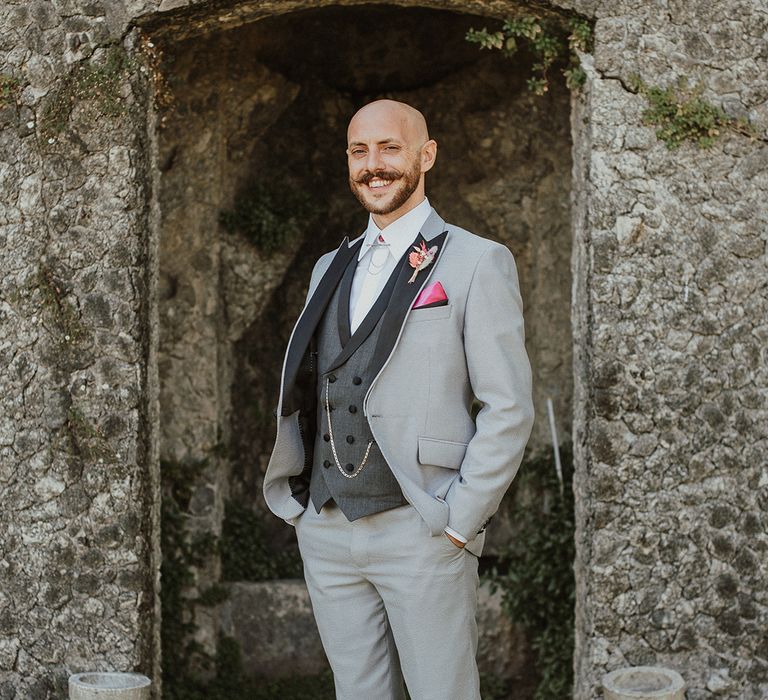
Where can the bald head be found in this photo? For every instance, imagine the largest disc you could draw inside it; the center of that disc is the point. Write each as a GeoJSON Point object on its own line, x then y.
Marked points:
{"type": "Point", "coordinates": [388, 152]}
{"type": "Point", "coordinates": [409, 120]}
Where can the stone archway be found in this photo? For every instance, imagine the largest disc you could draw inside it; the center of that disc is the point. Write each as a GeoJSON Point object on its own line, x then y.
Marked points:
{"type": "Point", "coordinates": [668, 327]}
{"type": "Point", "coordinates": [262, 102]}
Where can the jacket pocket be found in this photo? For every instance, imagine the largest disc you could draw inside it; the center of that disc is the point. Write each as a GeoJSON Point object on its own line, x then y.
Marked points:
{"type": "Point", "coordinates": [427, 314]}
{"type": "Point", "coordinates": [442, 453]}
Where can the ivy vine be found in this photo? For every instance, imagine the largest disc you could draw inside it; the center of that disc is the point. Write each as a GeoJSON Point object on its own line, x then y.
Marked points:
{"type": "Point", "coordinates": [548, 39]}
{"type": "Point", "coordinates": [678, 111]}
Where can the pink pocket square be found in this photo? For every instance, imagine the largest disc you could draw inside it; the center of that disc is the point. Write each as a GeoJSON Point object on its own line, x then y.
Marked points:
{"type": "Point", "coordinates": [431, 295]}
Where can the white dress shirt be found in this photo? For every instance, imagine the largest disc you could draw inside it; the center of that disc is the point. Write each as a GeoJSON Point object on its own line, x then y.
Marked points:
{"type": "Point", "coordinates": [381, 250]}
{"type": "Point", "coordinates": [378, 255]}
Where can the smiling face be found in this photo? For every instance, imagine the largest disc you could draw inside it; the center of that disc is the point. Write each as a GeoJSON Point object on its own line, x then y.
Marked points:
{"type": "Point", "coordinates": [388, 153]}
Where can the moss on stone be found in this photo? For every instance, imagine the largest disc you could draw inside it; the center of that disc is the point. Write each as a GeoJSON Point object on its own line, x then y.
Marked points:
{"type": "Point", "coordinates": [65, 323]}
{"type": "Point", "coordinates": [98, 82]}
{"type": "Point", "coordinates": [681, 114]}
{"type": "Point", "coordinates": [268, 215]}
{"type": "Point", "coordinates": [87, 441]}
{"type": "Point", "coordinates": [10, 87]}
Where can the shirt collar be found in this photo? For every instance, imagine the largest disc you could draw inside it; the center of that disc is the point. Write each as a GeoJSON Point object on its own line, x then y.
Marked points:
{"type": "Point", "coordinates": [400, 233]}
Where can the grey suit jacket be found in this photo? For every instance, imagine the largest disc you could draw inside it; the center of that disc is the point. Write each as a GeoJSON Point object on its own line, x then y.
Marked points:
{"type": "Point", "coordinates": [432, 361]}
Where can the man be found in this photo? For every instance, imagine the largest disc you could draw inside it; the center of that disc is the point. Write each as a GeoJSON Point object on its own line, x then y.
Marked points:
{"type": "Point", "coordinates": [377, 462]}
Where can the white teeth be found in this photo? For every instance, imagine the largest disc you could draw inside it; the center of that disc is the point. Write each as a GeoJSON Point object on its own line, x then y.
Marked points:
{"type": "Point", "coordinates": [379, 183]}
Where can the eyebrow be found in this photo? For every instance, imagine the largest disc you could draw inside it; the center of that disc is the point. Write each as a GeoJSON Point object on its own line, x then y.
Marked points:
{"type": "Point", "coordinates": [361, 143]}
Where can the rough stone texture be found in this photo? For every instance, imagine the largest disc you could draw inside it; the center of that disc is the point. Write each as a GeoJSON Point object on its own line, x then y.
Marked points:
{"type": "Point", "coordinates": [274, 625]}
{"type": "Point", "coordinates": [669, 332]}
{"type": "Point", "coordinates": [670, 321]}
{"type": "Point", "coordinates": [77, 515]}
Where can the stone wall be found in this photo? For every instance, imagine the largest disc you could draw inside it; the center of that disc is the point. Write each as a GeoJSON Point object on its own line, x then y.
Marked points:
{"type": "Point", "coordinates": [670, 322]}
{"type": "Point", "coordinates": [78, 489]}
{"type": "Point", "coordinates": [669, 309]}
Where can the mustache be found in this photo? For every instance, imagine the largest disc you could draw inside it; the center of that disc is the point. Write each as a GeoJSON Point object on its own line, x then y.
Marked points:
{"type": "Point", "coordinates": [383, 175]}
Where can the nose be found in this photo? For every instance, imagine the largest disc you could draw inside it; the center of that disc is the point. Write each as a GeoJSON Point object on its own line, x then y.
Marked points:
{"type": "Point", "coordinates": [373, 161]}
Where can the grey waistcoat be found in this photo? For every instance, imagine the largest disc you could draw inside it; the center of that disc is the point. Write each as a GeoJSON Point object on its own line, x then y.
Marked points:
{"type": "Point", "coordinates": [375, 488]}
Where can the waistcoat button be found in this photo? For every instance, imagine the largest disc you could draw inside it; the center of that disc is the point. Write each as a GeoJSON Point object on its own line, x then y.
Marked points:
{"type": "Point", "coordinates": [332, 378]}
{"type": "Point", "coordinates": [326, 437]}
{"type": "Point", "coordinates": [326, 464]}
{"type": "Point", "coordinates": [350, 439]}
{"type": "Point", "coordinates": [350, 467]}
{"type": "Point", "coordinates": [357, 380]}
{"type": "Point", "coordinates": [353, 409]}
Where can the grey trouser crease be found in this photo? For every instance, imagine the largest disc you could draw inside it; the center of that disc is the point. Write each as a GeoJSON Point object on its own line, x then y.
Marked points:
{"type": "Point", "coordinates": [391, 601]}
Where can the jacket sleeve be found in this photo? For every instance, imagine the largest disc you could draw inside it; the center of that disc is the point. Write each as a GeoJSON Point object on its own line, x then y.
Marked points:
{"type": "Point", "coordinates": [500, 376]}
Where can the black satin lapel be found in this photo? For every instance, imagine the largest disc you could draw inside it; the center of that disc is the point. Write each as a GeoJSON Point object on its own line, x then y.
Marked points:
{"type": "Point", "coordinates": [368, 323]}
{"type": "Point", "coordinates": [342, 312]}
{"type": "Point", "coordinates": [403, 295]}
{"type": "Point", "coordinates": [311, 316]}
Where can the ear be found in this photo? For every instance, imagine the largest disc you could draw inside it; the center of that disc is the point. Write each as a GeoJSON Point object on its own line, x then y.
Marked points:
{"type": "Point", "coordinates": [428, 155]}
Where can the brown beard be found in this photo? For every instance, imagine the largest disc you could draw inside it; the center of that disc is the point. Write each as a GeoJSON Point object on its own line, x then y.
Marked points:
{"type": "Point", "coordinates": [409, 181]}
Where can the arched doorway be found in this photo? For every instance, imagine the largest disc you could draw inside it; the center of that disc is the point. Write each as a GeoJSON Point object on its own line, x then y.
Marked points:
{"type": "Point", "coordinates": [258, 129]}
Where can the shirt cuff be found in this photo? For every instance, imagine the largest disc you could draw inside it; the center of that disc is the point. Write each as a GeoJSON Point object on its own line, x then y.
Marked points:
{"type": "Point", "coordinates": [455, 534]}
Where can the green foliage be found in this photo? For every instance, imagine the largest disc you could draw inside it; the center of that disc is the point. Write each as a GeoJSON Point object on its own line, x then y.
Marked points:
{"type": "Point", "coordinates": [88, 81]}
{"type": "Point", "coordinates": [547, 39]}
{"type": "Point", "coordinates": [269, 215]}
{"type": "Point", "coordinates": [536, 573]}
{"type": "Point", "coordinates": [181, 554]}
{"type": "Point", "coordinates": [10, 87]}
{"type": "Point", "coordinates": [245, 553]}
{"type": "Point", "coordinates": [681, 114]}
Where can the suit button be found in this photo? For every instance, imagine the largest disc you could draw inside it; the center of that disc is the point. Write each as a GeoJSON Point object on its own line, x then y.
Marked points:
{"type": "Point", "coordinates": [353, 409]}
{"type": "Point", "coordinates": [350, 467]}
{"type": "Point", "coordinates": [332, 378]}
{"type": "Point", "coordinates": [357, 380]}
{"type": "Point", "coordinates": [350, 439]}
{"type": "Point", "coordinates": [326, 437]}
{"type": "Point", "coordinates": [326, 464]}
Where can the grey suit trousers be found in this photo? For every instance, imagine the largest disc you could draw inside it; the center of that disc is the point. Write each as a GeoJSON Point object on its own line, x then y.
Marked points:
{"type": "Point", "coordinates": [391, 602]}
